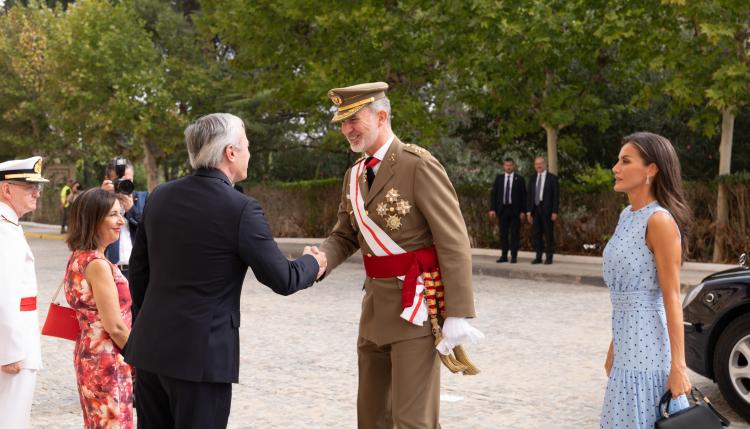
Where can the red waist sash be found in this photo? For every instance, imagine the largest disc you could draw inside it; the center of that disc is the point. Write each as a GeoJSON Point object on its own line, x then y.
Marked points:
{"type": "Point", "coordinates": [28, 303]}
{"type": "Point", "coordinates": [409, 264]}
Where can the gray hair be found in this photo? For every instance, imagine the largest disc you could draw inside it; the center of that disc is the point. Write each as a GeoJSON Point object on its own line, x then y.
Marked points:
{"type": "Point", "coordinates": [209, 135]}
{"type": "Point", "coordinates": [381, 104]}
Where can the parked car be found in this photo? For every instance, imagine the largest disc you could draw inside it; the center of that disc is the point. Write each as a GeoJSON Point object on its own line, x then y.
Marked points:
{"type": "Point", "coordinates": [717, 333]}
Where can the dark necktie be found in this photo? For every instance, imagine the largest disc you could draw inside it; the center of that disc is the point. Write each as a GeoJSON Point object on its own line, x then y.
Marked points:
{"type": "Point", "coordinates": [371, 162]}
{"type": "Point", "coordinates": [506, 200]}
{"type": "Point", "coordinates": [537, 196]}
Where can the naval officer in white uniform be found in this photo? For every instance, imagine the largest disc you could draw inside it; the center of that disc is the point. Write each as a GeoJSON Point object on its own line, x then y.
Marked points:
{"type": "Point", "coordinates": [20, 354]}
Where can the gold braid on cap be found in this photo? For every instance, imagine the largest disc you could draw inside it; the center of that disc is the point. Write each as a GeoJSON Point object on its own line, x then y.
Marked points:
{"type": "Point", "coordinates": [357, 104]}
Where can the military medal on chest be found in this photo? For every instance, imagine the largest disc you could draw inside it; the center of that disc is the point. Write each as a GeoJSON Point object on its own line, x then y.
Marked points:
{"type": "Point", "coordinates": [393, 209]}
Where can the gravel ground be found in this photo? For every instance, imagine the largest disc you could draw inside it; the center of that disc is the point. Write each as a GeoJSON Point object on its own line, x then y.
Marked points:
{"type": "Point", "coordinates": [542, 359]}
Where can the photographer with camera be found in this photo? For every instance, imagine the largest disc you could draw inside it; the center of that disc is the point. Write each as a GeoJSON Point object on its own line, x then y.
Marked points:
{"type": "Point", "coordinates": [119, 179]}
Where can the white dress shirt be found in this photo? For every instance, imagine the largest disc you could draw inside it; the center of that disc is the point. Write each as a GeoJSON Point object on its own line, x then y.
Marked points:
{"type": "Point", "coordinates": [126, 245]}
{"type": "Point", "coordinates": [541, 176]}
{"type": "Point", "coordinates": [380, 154]}
{"type": "Point", "coordinates": [506, 186]}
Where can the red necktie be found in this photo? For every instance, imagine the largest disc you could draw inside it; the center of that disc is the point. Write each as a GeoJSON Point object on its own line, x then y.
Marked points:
{"type": "Point", "coordinates": [371, 162]}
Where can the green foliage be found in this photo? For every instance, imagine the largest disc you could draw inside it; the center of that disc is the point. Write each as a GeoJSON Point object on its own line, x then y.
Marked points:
{"type": "Point", "coordinates": [704, 62]}
{"type": "Point", "coordinates": [737, 177]}
{"type": "Point", "coordinates": [590, 180]}
{"type": "Point", "coordinates": [24, 104]}
{"type": "Point", "coordinates": [106, 78]}
{"type": "Point", "coordinates": [473, 189]}
{"type": "Point", "coordinates": [305, 185]}
{"type": "Point", "coordinates": [535, 63]}
{"type": "Point", "coordinates": [464, 164]}
{"type": "Point", "coordinates": [474, 81]}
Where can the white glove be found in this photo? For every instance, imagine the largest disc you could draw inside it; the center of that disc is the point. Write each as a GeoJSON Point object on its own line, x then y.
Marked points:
{"type": "Point", "coordinates": [457, 331]}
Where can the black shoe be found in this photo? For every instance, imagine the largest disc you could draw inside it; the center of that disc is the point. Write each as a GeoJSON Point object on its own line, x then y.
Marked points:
{"type": "Point", "coordinates": [536, 261]}
{"type": "Point", "coordinates": [548, 262]}
{"type": "Point", "coordinates": [502, 259]}
{"type": "Point", "coordinates": [513, 260]}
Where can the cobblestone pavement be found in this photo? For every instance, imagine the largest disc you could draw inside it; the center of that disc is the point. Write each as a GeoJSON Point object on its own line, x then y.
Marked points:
{"type": "Point", "coordinates": [542, 360]}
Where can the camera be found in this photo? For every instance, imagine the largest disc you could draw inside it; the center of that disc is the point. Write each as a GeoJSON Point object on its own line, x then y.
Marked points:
{"type": "Point", "coordinates": [122, 186]}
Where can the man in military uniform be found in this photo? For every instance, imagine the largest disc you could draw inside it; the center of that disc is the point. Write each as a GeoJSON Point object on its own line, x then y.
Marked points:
{"type": "Point", "coordinates": [399, 207]}
{"type": "Point", "coordinates": [20, 354]}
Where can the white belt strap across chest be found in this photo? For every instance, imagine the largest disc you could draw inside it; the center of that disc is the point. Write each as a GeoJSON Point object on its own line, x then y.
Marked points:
{"type": "Point", "coordinates": [383, 245]}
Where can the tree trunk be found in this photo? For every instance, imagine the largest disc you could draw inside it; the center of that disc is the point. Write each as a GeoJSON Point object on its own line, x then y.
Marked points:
{"type": "Point", "coordinates": [725, 168]}
{"type": "Point", "coordinates": [152, 169]}
{"type": "Point", "coordinates": [552, 136]}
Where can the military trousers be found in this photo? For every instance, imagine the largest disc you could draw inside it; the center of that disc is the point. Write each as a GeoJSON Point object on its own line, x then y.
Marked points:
{"type": "Point", "coordinates": [16, 395]}
{"type": "Point", "coordinates": [399, 384]}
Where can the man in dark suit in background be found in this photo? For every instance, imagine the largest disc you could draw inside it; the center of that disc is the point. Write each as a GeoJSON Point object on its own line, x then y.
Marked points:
{"type": "Point", "coordinates": [196, 240]}
{"type": "Point", "coordinates": [132, 203]}
{"type": "Point", "coordinates": [507, 203]}
{"type": "Point", "coordinates": [541, 209]}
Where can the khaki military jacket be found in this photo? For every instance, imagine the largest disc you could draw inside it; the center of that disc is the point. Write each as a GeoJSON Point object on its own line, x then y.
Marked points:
{"type": "Point", "coordinates": [433, 218]}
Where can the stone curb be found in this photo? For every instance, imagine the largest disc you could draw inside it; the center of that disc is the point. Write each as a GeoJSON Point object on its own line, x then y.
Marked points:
{"type": "Point", "coordinates": [521, 274]}
{"type": "Point", "coordinates": [44, 236]}
{"type": "Point", "coordinates": [567, 269]}
{"type": "Point", "coordinates": [481, 266]}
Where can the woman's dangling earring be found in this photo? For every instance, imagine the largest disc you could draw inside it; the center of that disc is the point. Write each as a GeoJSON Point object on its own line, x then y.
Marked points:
{"type": "Point", "coordinates": [648, 180]}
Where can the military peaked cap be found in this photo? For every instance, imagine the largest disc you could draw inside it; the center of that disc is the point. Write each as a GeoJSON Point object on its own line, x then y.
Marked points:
{"type": "Point", "coordinates": [352, 99]}
{"type": "Point", "coordinates": [23, 170]}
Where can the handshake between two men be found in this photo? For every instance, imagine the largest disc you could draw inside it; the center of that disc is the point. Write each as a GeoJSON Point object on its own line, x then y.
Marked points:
{"type": "Point", "coordinates": [319, 256]}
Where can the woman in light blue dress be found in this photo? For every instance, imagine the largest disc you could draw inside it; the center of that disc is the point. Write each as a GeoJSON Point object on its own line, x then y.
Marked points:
{"type": "Point", "coordinates": [642, 270]}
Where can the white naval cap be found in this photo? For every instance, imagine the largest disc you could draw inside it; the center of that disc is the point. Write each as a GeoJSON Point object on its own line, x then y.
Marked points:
{"type": "Point", "coordinates": [23, 170]}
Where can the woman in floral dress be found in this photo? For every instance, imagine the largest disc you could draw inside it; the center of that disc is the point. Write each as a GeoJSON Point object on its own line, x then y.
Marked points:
{"type": "Point", "coordinates": [98, 292]}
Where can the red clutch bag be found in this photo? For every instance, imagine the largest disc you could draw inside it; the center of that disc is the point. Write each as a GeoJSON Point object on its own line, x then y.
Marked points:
{"type": "Point", "coordinates": [61, 321]}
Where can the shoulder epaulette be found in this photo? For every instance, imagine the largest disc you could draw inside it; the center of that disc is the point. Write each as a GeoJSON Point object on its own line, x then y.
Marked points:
{"type": "Point", "coordinates": [416, 149]}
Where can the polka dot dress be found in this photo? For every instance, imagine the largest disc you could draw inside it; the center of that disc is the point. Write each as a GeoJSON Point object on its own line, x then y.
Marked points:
{"type": "Point", "coordinates": [639, 327]}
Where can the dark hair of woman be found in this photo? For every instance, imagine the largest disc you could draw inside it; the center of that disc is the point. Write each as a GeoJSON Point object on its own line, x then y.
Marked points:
{"type": "Point", "coordinates": [86, 214]}
{"type": "Point", "coordinates": [667, 184]}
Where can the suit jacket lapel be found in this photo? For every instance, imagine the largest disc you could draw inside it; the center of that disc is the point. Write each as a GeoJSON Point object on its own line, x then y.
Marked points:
{"type": "Point", "coordinates": [385, 171]}
{"type": "Point", "coordinates": [362, 180]}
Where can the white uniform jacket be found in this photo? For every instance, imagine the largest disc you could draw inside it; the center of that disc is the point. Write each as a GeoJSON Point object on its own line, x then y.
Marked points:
{"type": "Point", "coordinates": [19, 330]}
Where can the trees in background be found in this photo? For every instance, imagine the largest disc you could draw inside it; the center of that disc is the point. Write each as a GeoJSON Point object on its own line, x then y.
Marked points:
{"type": "Point", "coordinates": [100, 79]}
{"type": "Point", "coordinates": [24, 87]}
{"type": "Point", "coordinates": [534, 64]}
{"type": "Point", "coordinates": [698, 52]}
{"type": "Point", "coordinates": [713, 72]}
{"type": "Point", "coordinates": [475, 80]}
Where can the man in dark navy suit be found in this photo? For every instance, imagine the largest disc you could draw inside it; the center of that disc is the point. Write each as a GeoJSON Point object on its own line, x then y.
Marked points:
{"type": "Point", "coordinates": [192, 250]}
{"type": "Point", "coordinates": [542, 207]}
{"type": "Point", "coordinates": [508, 204]}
